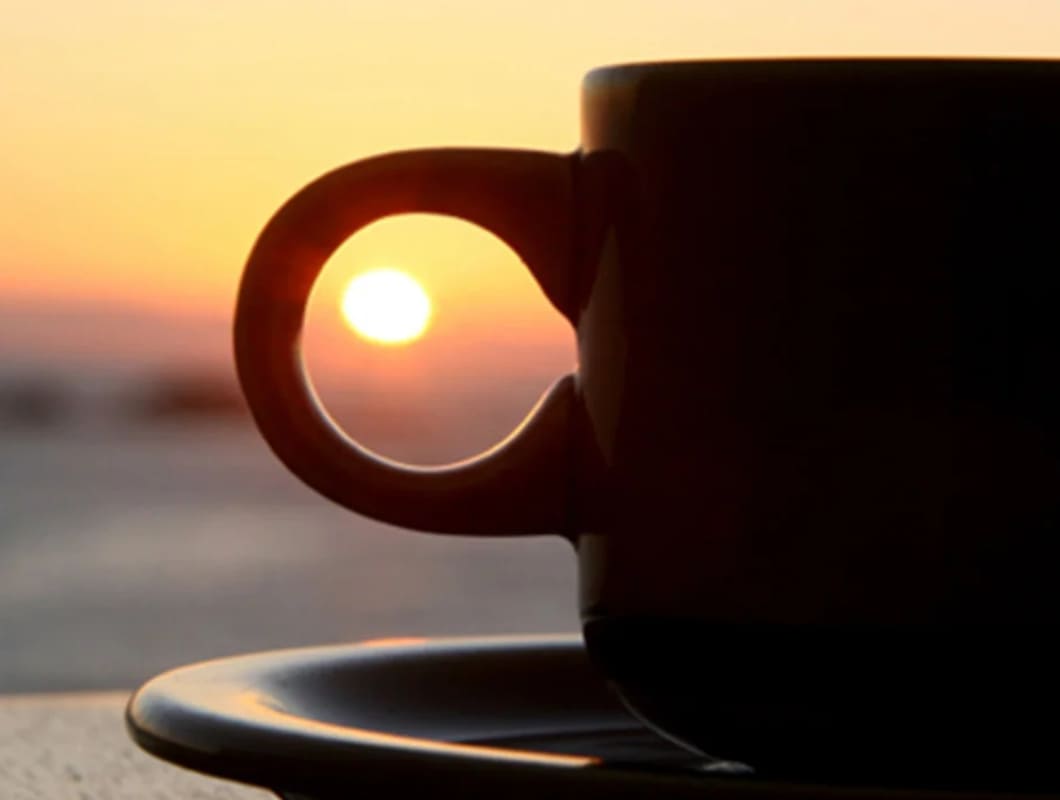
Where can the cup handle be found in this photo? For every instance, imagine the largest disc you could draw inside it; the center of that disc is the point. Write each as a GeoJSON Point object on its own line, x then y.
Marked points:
{"type": "Point", "coordinates": [526, 198]}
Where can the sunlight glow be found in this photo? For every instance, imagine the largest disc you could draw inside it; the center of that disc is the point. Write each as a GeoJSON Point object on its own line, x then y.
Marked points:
{"type": "Point", "coordinates": [386, 306]}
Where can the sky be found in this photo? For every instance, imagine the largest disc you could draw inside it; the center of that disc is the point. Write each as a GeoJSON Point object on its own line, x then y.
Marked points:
{"type": "Point", "coordinates": [144, 144]}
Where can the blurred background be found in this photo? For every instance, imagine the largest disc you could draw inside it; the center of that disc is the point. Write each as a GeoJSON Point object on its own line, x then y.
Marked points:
{"type": "Point", "coordinates": [143, 524]}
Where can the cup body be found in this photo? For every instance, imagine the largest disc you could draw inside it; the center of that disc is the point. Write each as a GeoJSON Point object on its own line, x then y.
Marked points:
{"type": "Point", "coordinates": [819, 418]}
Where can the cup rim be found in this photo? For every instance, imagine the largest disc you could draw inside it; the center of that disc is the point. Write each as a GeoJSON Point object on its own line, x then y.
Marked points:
{"type": "Point", "coordinates": [684, 68]}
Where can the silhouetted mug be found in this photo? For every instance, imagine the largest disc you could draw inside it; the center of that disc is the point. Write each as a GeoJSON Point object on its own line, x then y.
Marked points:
{"type": "Point", "coordinates": [810, 457]}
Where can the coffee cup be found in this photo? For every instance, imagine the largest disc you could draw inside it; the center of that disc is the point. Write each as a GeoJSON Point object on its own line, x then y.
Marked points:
{"type": "Point", "coordinates": [810, 456]}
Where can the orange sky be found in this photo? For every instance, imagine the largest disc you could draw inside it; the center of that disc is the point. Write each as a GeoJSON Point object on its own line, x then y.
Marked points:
{"type": "Point", "coordinates": [144, 144]}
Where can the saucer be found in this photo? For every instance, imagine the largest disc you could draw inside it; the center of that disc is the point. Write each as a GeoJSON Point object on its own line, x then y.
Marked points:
{"type": "Point", "coordinates": [512, 717]}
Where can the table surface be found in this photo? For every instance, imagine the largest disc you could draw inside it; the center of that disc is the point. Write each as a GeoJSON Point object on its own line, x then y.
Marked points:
{"type": "Point", "coordinates": [74, 747]}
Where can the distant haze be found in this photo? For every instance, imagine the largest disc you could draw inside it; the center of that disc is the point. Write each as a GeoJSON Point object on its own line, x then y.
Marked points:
{"type": "Point", "coordinates": [67, 332]}
{"type": "Point", "coordinates": [123, 365]}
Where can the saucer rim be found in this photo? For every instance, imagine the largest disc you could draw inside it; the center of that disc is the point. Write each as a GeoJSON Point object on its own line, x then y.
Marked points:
{"type": "Point", "coordinates": [217, 717]}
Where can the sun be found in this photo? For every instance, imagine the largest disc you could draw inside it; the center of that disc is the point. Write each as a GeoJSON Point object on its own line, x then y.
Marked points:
{"type": "Point", "coordinates": [386, 306]}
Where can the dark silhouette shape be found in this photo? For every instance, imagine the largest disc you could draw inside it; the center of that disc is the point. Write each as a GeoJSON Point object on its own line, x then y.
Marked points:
{"type": "Point", "coordinates": [811, 457]}
{"type": "Point", "coordinates": [35, 402]}
{"type": "Point", "coordinates": [186, 396]}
